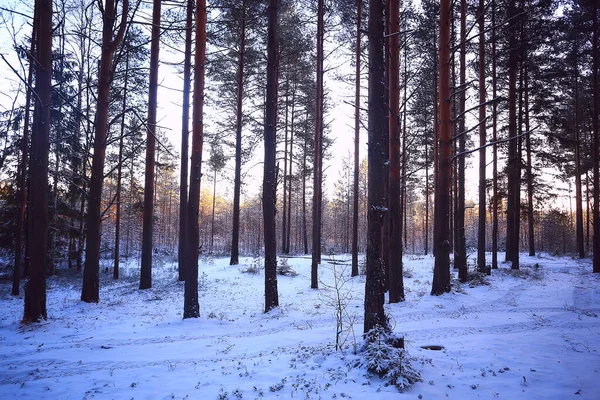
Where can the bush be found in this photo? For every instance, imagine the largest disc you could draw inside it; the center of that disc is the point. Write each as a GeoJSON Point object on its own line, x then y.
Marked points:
{"type": "Point", "coordinates": [384, 356]}
{"type": "Point", "coordinates": [284, 269]}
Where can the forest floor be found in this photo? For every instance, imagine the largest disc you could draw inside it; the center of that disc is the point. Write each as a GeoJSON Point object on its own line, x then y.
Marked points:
{"type": "Point", "coordinates": [529, 334]}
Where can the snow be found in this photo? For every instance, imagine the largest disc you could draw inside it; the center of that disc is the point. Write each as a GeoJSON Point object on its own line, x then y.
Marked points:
{"type": "Point", "coordinates": [534, 334]}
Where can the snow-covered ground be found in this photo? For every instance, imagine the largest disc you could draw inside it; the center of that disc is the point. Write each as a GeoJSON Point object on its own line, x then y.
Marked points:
{"type": "Point", "coordinates": [534, 334]}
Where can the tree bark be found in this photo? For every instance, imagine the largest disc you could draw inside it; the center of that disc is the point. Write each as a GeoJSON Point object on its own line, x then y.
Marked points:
{"type": "Point", "coordinates": [110, 42]}
{"type": "Point", "coordinates": [481, 265]}
{"type": "Point", "coordinates": [578, 191]}
{"type": "Point", "coordinates": [495, 147]}
{"type": "Point", "coordinates": [119, 175]}
{"type": "Point", "coordinates": [596, 141]}
{"type": "Point", "coordinates": [304, 227]}
{"type": "Point", "coordinates": [441, 272]}
{"type": "Point", "coordinates": [374, 285]}
{"type": "Point", "coordinates": [289, 191]}
{"type": "Point", "coordinates": [35, 288]}
{"type": "Point", "coordinates": [22, 179]}
{"type": "Point", "coordinates": [270, 173]}
{"type": "Point", "coordinates": [396, 286]}
{"type": "Point", "coordinates": [185, 133]}
{"type": "Point", "coordinates": [317, 190]}
{"type": "Point", "coordinates": [460, 254]}
{"type": "Point", "coordinates": [235, 233]}
{"type": "Point", "coordinates": [357, 55]}
{"type": "Point", "coordinates": [148, 219]}
{"type": "Point", "coordinates": [191, 308]}
{"type": "Point", "coordinates": [284, 218]}
{"type": "Point", "coordinates": [513, 206]}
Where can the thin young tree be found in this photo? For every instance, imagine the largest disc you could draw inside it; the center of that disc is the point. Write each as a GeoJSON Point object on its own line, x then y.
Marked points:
{"type": "Point", "coordinates": [191, 308]}
{"type": "Point", "coordinates": [148, 218]}
{"type": "Point", "coordinates": [481, 265]}
{"type": "Point", "coordinates": [495, 146]}
{"type": "Point", "coordinates": [270, 174]}
{"type": "Point", "coordinates": [441, 271]}
{"type": "Point", "coordinates": [22, 179]}
{"type": "Point", "coordinates": [185, 134]}
{"type": "Point", "coordinates": [35, 288]}
{"type": "Point", "coordinates": [596, 140]}
{"type": "Point", "coordinates": [357, 54]}
{"type": "Point", "coordinates": [460, 252]}
{"type": "Point", "coordinates": [374, 284]}
{"type": "Point", "coordinates": [120, 173]}
{"type": "Point", "coordinates": [317, 163]}
{"type": "Point", "coordinates": [513, 169]}
{"type": "Point", "coordinates": [235, 231]}
{"type": "Point", "coordinates": [395, 284]}
{"type": "Point", "coordinates": [110, 42]}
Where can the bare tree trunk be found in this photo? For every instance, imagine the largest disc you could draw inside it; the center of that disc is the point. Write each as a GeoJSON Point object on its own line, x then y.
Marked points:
{"type": "Point", "coordinates": [530, 215]}
{"type": "Point", "coordinates": [356, 140]}
{"type": "Point", "coordinates": [270, 173]}
{"type": "Point", "coordinates": [212, 223]}
{"type": "Point", "coordinates": [495, 147]}
{"type": "Point", "coordinates": [191, 308]}
{"type": "Point", "coordinates": [512, 211]}
{"type": "Point", "coordinates": [596, 141]}
{"type": "Point", "coordinates": [304, 228]}
{"type": "Point", "coordinates": [578, 192]}
{"type": "Point", "coordinates": [317, 190]}
{"type": "Point", "coordinates": [22, 180]}
{"type": "Point", "coordinates": [148, 224]}
{"type": "Point", "coordinates": [396, 284]}
{"type": "Point", "coordinates": [481, 265]}
{"type": "Point", "coordinates": [374, 285]}
{"type": "Point", "coordinates": [235, 234]}
{"type": "Point", "coordinates": [441, 272]}
{"type": "Point", "coordinates": [460, 254]}
{"type": "Point", "coordinates": [436, 135]}
{"type": "Point", "coordinates": [35, 288]}
{"type": "Point", "coordinates": [119, 175]}
{"type": "Point", "coordinates": [185, 134]}
{"type": "Point", "coordinates": [285, 163]}
{"type": "Point", "coordinates": [289, 192]}
{"type": "Point", "coordinates": [110, 42]}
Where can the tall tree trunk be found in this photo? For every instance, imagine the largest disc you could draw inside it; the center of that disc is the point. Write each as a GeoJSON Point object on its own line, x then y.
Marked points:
{"type": "Point", "coordinates": [191, 308]}
{"type": "Point", "coordinates": [110, 42]}
{"type": "Point", "coordinates": [35, 288]}
{"type": "Point", "coordinates": [578, 192]}
{"type": "Point", "coordinates": [512, 210]}
{"type": "Point", "coordinates": [317, 190]}
{"type": "Point", "coordinates": [289, 191]}
{"type": "Point", "coordinates": [495, 147]}
{"type": "Point", "coordinates": [284, 218]}
{"type": "Point", "coordinates": [530, 215]}
{"type": "Point", "coordinates": [22, 180]}
{"type": "Point", "coordinates": [270, 173]}
{"type": "Point", "coordinates": [304, 227]}
{"type": "Point", "coordinates": [441, 272]}
{"type": "Point", "coordinates": [119, 174]}
{"type": "Point", "coordinates": [185, 134]}
{"type": "Point", "coordinates": [596, 141]}
{"type": "Point", "coordinates": [235, 233]}
{"type": "Point", "coordinates": [460, 254]}
{"type": "Point", "coordinates": [426, 222]}
{"type": "Point", "coordinates": [212, 219]}
{"type": "Point", "coordinates": [356, 140]}
{"type": "Point", "coordinates": [436, 135]}
{"type": "Point", "coordinates": [396, 284]}
{"type": "Point", "coordinates": [374, 285]}
{"type": "Point", "coordinates": [404, 195]}
{"type": "Point", "coordinates": [148, 220]}
{"type": "Point", "coordinates": [481, 265]}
